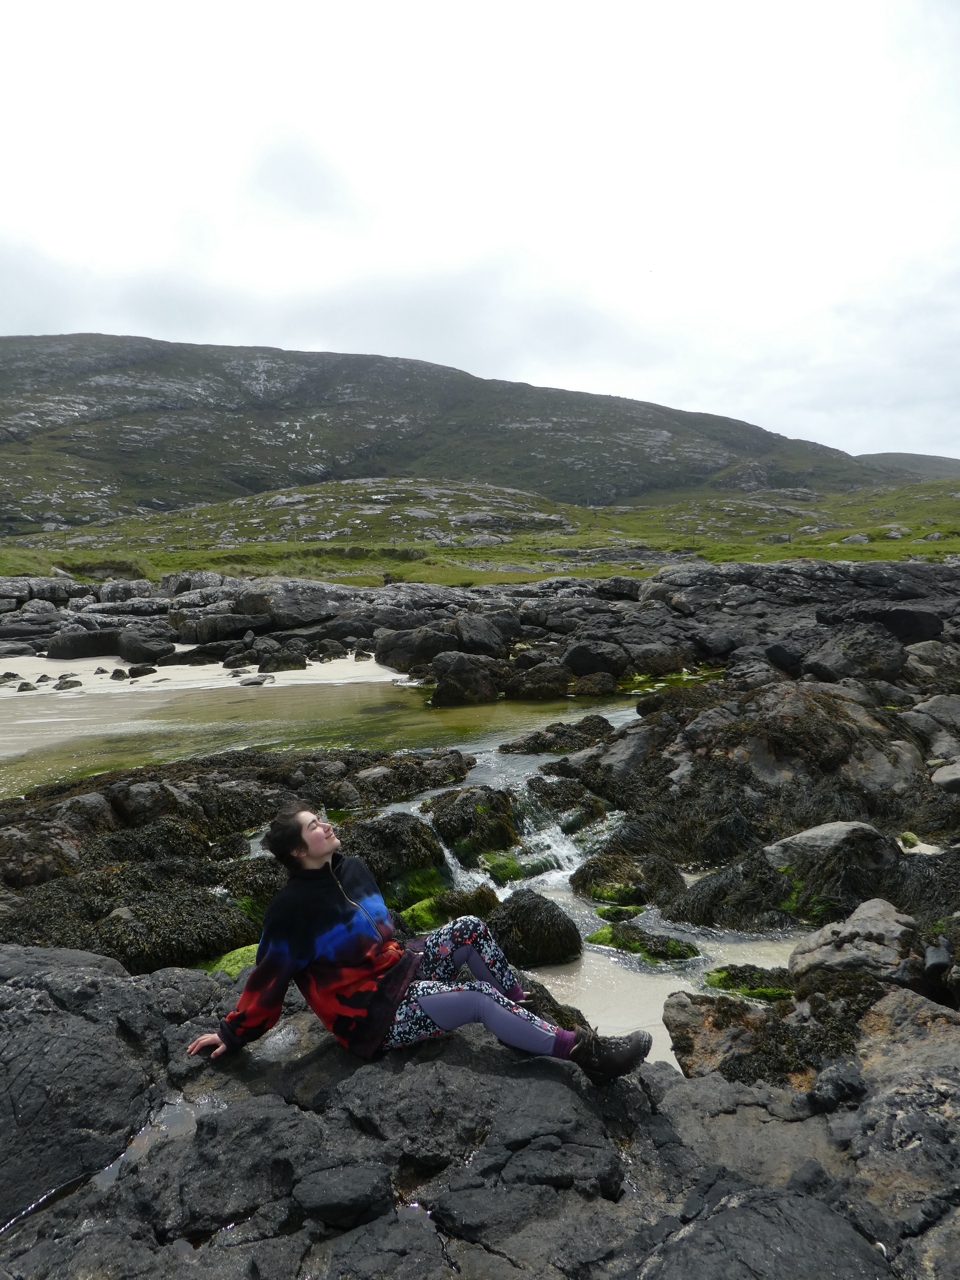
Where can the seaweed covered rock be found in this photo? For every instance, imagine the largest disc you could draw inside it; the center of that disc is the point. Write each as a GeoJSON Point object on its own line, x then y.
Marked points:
{"type": "Point", "coordinates": [473, 821]}
{"type": "Point", "coordinates": [403, 854]}
{"type": "Point", "coordinates": [431, 913]}
{"type": "Point", "coordinates": [619, 878]}
{"type": "Point", "coordinates": [819, 875]}
{"type": "Point", "coordinates": [147, 915]}
{"type": "Point", "coordinates": [532, 930]}
{"type": "Point", "coordinates": [598, 685]}
{"type": "Point", "coordinates": [655, 948]}
{"type": "Point", "coordinates": [561, 736]}
{"type": "Point", "coordinates": [253, 882]}
{"type": "Point", "coordinates": [750, 895]}
{"type": "Point", "coordinates": [164, 838]}
{"type": "Point", "coordinates": [569, 798]}
{"type": "Point", "coordinates": [751, 982]}
{"type": "Point", "coordinates": [786, 1044]}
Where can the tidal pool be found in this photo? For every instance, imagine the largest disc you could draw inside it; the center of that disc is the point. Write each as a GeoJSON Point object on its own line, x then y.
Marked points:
{"type": "Point", "coordinates": [47, 737]}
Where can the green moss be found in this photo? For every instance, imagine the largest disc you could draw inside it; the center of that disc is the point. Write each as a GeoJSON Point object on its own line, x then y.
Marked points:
{"type": "Point", "coordinates": [425, 916]}
{"type": "Point", "coordinates": [790, 901]}
{"type": "Point", "coordinates": [433, 912]}
{"type": "Point", "coordinates": [232, 962]}
{"type": "Point", "coordinates": [502, 869]}
{"type": "Point", "coordinates": [413, 887]}
{"type": "Point", "coordinates": [909, 840]}
{"type": "Point", "coordinates": [617, 915]}
{"type": "Point", "coordinates": [620, 894]}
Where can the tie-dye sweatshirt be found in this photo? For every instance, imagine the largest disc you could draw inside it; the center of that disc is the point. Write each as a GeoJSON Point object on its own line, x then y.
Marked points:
{"type": "Point", "coordinates": [330, 932]}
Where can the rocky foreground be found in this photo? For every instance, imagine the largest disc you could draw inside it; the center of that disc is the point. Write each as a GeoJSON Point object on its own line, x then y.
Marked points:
{"type": "Point", "coordinates": [465, 1157]}
{"type": "Point", "coordinates": [815, 781]}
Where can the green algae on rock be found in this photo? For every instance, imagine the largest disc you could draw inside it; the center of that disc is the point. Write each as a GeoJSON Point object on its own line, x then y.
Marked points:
{"type": "Point", "coordinates": [652, 947]}
{"type": "Point", "coordinates": [431, 913]}
{"type": "Point", "coordinates": [751, 982]}
{"type": "Point", "coordinates": [473, 821]}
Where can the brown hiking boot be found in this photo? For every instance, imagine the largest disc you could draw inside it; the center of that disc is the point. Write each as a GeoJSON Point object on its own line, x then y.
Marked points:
{"type": "Point", "coordinates": [603, 1058]}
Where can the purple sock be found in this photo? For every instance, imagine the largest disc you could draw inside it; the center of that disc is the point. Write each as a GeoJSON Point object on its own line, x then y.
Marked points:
{"type": "Point", "coordinates": [516, 992]}
{"type": "Point", "coordinates": [563, 1043]}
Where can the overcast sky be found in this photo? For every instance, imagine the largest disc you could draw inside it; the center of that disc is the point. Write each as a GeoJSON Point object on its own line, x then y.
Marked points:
{"type": "Point", "coordinates": [737, 206]}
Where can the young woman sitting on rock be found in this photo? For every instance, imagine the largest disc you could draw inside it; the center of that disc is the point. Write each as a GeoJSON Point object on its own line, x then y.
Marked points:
{"type": "Point", "coordinates": [330, 932]}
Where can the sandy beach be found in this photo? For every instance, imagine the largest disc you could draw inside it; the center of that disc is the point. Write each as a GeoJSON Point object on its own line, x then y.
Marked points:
{"type": "Point", "coordinates": [176, 678]}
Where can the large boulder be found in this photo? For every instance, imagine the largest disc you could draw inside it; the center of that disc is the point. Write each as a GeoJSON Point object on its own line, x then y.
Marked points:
{"type": "Point", "coordinates": [467, 679]}
{"type": "Point", "coordinates": [16, 649]}
{"type": "Point", "coordinates": [289, 602]}
{"type": "Point", "coordinates": [33, 855]}
{"type": "Point", "coordinates": [183, 580]}
{"type": "Point", "coordinates": [124, 589]}
{"type": "Point", "coordinates": [532, 930]}
{"type": "Point", "coordinates": [284, 660]}
{"type": "Point", "coordinates": [78, 642]}
{"type": "Point", "coordinates": [405, 649]}
{"type": "Point", "coordinates": [861, 650]}
{"type": "Point", "coordinates": [854, 844]}
{"type": "Point", "coordinates": [585, 657]}
{"type": "Point", "coordinates": [478, 635]}
{"type": "Point", "coordinates": [876, 938]}
{"type": "Point", "coordinates": [139, 643]}
{"type": "Point", "coordinates": [911, 624]}
{"type": "Point", "coordinates": [545, 681]}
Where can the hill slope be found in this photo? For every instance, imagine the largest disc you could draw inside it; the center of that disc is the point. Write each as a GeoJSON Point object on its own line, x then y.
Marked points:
{"type": "Point", "coordinates": [93, 425]}
{"type": "Point", "coordinates": [924, 466]}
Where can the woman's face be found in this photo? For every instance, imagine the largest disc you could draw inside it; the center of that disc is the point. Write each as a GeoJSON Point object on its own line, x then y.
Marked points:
{"type": "Point", "coordinates": [319, 839]}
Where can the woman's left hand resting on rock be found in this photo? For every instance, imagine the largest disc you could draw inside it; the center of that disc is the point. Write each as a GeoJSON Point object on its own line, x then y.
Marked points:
{"type": "Point", "coordinates": [210, 1041]}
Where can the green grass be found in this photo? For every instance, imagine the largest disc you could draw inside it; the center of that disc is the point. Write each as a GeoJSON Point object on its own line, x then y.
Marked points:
{"type": "Point", "coordinates": [248, 536]}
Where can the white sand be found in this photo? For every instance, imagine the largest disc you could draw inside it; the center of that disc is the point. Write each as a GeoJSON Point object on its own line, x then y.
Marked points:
{"type": "Point", "coordinates": [173, 679]}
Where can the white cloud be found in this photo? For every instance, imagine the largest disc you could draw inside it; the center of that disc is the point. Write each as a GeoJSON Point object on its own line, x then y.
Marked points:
{"type": "Point", "coordinates": [746, 208]}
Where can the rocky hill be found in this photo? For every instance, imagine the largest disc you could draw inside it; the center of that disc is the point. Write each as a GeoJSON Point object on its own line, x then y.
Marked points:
{"type": "Point", "coordinates": [93, 425]}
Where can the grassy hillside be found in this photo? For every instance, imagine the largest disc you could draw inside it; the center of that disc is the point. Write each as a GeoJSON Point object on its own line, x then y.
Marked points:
{"type": "Point", "coordinates": [357, 530]}
{"type": "Point", "coordinates": [94, 426]}
{"type": "Point", "coordinates": [924, 466]}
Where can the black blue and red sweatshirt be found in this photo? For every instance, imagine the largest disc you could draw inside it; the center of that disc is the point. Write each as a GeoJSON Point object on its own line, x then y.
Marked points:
{"type": "Point", "coordinates": [330, 932]}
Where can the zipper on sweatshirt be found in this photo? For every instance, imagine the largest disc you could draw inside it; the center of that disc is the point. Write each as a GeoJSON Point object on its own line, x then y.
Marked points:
{"type": "Point", "coordinates": [356, 904]}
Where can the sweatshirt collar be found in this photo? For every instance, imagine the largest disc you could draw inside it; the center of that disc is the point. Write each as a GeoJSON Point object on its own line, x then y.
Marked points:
{"type": "Point", "coordinates": [319, 873]}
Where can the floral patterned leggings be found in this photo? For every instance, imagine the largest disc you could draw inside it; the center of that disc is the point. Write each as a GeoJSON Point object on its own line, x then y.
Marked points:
{"type": "Point", "coordinates": [436, 1002]}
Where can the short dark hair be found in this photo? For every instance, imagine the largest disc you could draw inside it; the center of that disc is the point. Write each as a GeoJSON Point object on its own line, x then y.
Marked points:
{"type": "Point", "coordinates": [286, 833]}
